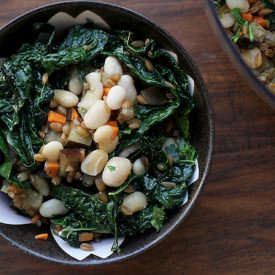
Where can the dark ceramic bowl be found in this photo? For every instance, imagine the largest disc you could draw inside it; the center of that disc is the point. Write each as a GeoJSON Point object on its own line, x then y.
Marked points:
{"type": "Point", "coordinates": [232, 52]}
{"type": "Point", "coordinates": [202, 123]}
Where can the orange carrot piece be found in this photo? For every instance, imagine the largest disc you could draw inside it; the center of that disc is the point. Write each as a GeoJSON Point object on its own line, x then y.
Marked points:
{"type": "Point", "coordinates": [56, 117]}
{"type": "Point", "coordinates": [247, 16]}
{"type": "Point", "coordinates": [74, 114]}
{"type": "Point", "coordinates": [52, 168]}
{"type": "Point", "coordinates": [43, 236]}
{"type": "Point", "coordinates": [36, 218]}
{"type": "Point", "coordinates": [112, 123]}
{"type": "Point", "coordinates": [106, 91]}
{"type": "Point", "coordinates": [115, 132]}
{"type": "Point", "coordinates": [261, 21]}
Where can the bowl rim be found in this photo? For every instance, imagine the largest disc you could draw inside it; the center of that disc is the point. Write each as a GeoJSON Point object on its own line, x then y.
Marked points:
{"type": "Point", "coordinates": [209, 157]}
{"type": "Point", "coordinates": [232, 52]}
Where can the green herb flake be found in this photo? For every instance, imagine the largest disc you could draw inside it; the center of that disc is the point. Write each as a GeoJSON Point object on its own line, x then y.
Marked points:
{"type": "Point", "coordinates": [111, 168]}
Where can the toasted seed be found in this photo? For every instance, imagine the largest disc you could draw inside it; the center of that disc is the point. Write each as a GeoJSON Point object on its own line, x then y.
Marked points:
{"type": "Point", "coordinates": [126, 104]}
{"type": "Point", "coordinates": [161, 166]}
{"type": "Point", "coordinates": [83, 132]}
{"type": "Point", "coordinates": [57, 127]}
{"type": "Point", "coordinates": [148, 65]}
{"type": "Point", "coordinates": [138, 44]}
{"type": "Point", "coordinates": [100, 185]}
{"type": "Point", "coordinates": [134, 123]}
{"type": "Point", "coordinates": [56, 180]}
{"type": "Point", "coordinates": [265, 12]}
{"type": "Point", "coordinates": [66, 128]}
{"type": "Point", "coordinates": [254, 9]}
{"type": "Point", "coordinates": [45, 78]}
{"type": "Point", "coordinates": [111, 83]}
{"type": "Point", "coordinates": [103, 197]}
{"type": "Point", "coordinates": [141, 100]}
{"type": "Point", "coordinates": [269, 53]}
{"type": "Point", "coordinates": [168, 184]}
{"type": "Point", "coordinates": [41, 134]}
{"type": "Point", "coordinates": [129, 189]}
{"type": "Point", "coordinates": [61, 110]}
{"type": "Point", "coordinates": [39, 158]}
{"type": "Point", "coordinates": [170, 161]}
{"type": "Point", "coordinates": [85, 236]}
{"type": "Point", "coordinates": [86, 247]}
{"type": "Point", "coordinates": [115, 78]}
{"type": "Point", "coordinates": [53, 104]}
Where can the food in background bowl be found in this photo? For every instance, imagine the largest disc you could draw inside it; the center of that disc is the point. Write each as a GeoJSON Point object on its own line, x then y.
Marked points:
{"type": "Point", "coordinates": [251, 26]}
{"type": "Point", "coordinates": [94, 133]}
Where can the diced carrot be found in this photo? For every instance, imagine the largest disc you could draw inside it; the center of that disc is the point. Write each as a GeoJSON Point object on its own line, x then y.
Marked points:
{"type": "Point", "coordinates": [43, 236]}
{"type": "Point", "coordinates": [115, 132]}
{"type": "Point", "coordinates": [36, 218]}
{"type": "Point", "coordinates": [74, 114]}
{"type": "Point", "coordinates": [112, 123]}
{"type": "Point", "coordinates": [247, 16]}
{"type": "Point", "coordinates": [52, 168]}
{"type": "Point", "coordinates": [106, 91]}
{"type": "Point", "coordinates": [261, 21]}
{"type": "Point", "coordinates": [56, 117]}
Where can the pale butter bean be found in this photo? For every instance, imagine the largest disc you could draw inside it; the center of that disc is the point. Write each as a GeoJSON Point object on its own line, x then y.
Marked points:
{"type": "Point", "coordinates": [40, 184]}
{"type": "Point", "coordinates": [51, 150]}
{"type": "Point", "coordinates": [134, 202]}
{"type": "Point", "coordinates": [65, 98]}
{"type": "Point", "coordinates": [127, 82]}
{"type": "Point", "coordinates": [108, 146]}
{"type": "Point", "coordinates": [94, 163]}
{"type": "Point", "coordinates": [243, 5]}
{"type": "Point", "coordinates": [227, 20]}
{"type": "Point", "coordinates": [112, 66]}
{"type": "Point", "coordinates": [116, 171]}
{"type": "Point", "coordinates": [75, 86]}
{"type": "Point", "coordinates": [103, 133]}
{"type": "Point", "coordinates": [87, 101]}
{"type": "Point", "coordinates": [95, 85]}
{"type": "Point", "coordinates": [97, 115]}
{"type": "Point", "coordinates": [53, 208]}
{"type": "Point", "coordinates": [116, 97]}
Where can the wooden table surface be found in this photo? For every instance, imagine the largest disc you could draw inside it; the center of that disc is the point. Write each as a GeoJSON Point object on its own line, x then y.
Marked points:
{"type": "Point", "coordinates": [232, 228]}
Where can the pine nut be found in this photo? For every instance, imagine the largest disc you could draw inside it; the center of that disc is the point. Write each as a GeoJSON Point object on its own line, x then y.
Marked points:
{"type": "Point", "coordinates": [40, 158]}
{"type": "Point", "coordinates": [129, 189]}
{"type": "Point", "coordinates": [45, 78]}
{"type": "Point", "coordinates": [134, 123]}
{"type": "Point", "coordinates": [168, 184]}
{"type": "Point", "coordinates": [85, 236]}
{"type": "Point", "coordinates": [41, 134]}
{"type": "Point", "coordinates": [161, 167]}
{"type": "Point", "coordinates": [148, 65]}
{"type": "Point", "coordinates": [57, 127]}
{"type": "Point", "coordinates": [61, 110]}
{"type": "Point", "coordinates": [103, 197]}
{"type": "Point", "coordinates": [82, 132]}
{"type": "Point", "coordinates": [265, 12]}
{"type": "Point", "coordinates": [138, 44]}
{"type": "Point", "coordinates": [86, 247]}
{"type": "Point", "coordinates": [53, 104]}
{"type": "Point", "coordinates": [100, 185]}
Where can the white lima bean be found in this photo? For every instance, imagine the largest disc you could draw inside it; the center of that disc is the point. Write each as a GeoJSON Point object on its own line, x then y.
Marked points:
{"type": "Point", "coordinates": [103, 133]}
{"type": "Point", "coordinates": [95, 85]}
{"type": "Point", "coordinates": [116, 97]}
{"type": "Point", "coordinates": [94, 162]}
{"type": "Point", "coordinates": [41, 185]}
{"type": "Point", "coordinates": [243, 5]}
{"type": "Point", "coordinates": [127, 82]}
{"type": "Point", "coordinates": [108, 146]}
{"type": "Point", "coordinates": [253, 58]}
{"type": "Point", "coordinates": [134, 202]}
{"type": "Point", "coordinates": [139, 168]}
{"type": "Point", "coordinates": [53, 207]}
{"type": "Point", "coordinates": [116, 171]}
{"type": "Point", "coordinates": [97, 115]}
{"type": "Point", "coordinates": [87, 101]}
{"type": "Point", "coordinates": [227, 20]}
{"type": "Point", "coordinates": [112, 66]}
{"type": "Point", "coordinates": [75, 86]}
{"type": "Point", "coordinates": [65, 98]}
{"type": "Point", "coordinates": [51, 150]}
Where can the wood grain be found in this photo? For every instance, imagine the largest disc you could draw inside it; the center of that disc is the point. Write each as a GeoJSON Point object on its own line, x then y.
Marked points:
{"type": "Point", "coordinates": [232, 228]}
